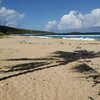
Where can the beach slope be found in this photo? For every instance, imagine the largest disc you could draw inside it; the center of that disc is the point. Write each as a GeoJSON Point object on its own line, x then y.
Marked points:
{"type": "Point", "coordinates": [49, 69]}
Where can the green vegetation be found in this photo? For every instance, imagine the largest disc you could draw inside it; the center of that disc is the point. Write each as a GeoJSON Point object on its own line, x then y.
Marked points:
{"type": "Point", "coordinates": [1, 34]}
{"type": "Point", "coordinates": [5, 30]}
{"type": "Point", "coordinates": [74, 32]}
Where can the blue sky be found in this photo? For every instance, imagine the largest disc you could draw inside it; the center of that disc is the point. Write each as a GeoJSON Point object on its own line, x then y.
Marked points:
{"type": "Point", "coordinates": [38, 14]}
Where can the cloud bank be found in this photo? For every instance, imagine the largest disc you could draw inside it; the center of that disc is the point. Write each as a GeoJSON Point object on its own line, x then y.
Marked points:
{"type": "Point", "coordinates": [9, 17]}
{"type": "Point", "coordinates": [75, 20]}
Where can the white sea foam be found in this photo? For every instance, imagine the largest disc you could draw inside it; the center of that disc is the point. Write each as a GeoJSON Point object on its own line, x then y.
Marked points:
{"type": "Point", "coordinates": [89, 39]}
{"type": "Point", "coordinates": [69, 37]}
{"type": "Point", "coordinates": [39, 37]}
{"type": "Point", "coordinates": [43, 37]}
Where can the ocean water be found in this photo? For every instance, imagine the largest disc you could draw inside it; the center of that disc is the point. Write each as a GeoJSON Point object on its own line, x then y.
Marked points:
{"type": "Point", "coordinates": [76, 37]}
{"type": "Point", "coordinates": [70, 37]}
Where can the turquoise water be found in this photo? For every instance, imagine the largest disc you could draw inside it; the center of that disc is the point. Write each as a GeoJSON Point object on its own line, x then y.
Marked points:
{"type": "Point", "coordinates": [71, 37]}
{"type": "Point", "coordinates": [76, 37]}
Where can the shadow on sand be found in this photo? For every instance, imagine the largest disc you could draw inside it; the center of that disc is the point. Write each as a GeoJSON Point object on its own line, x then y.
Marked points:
{"type": "Point", "coordinates": [59, 57]}
{"type": "Point", "coordinates": [88, 72]}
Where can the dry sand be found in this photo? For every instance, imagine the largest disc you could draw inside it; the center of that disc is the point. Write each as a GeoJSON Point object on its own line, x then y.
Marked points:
{"type": "Point", "coordinates": [49, 69]}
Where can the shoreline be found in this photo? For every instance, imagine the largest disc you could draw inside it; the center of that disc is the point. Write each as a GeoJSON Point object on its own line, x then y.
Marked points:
{"type": "Point", "coordinates": [69, 37]}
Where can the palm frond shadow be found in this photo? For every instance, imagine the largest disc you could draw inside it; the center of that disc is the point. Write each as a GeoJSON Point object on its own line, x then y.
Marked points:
{"type": "Point", "coordinates": [88, 72]}
{"type": "Point", "coordinates": [36, 64]}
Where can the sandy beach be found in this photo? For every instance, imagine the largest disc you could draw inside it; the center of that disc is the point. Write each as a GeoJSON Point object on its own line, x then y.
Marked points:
{"type": "Point", "coordinates": [49, 69]}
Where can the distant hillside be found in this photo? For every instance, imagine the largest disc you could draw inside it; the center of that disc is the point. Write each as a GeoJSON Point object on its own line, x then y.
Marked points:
{"type": "Point", "coordinates": [79, 33]}
{"type": "Point", "coordinates": [5, 30]}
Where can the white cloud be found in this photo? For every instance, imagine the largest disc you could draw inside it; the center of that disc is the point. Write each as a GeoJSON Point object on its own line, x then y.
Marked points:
{"type": "Point", "coordinates": [9, 17]}
{"type": "Point", "coordinates": [75, 20]}
{"type": "Point", "coordinates": [69, 21]}
{"type": "Point", "coordinates": [52, 25]}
